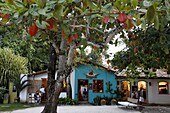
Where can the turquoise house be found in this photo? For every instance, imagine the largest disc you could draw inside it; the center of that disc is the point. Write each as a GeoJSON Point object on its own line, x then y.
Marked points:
{"type": "Point", "coordinates": [90, 80]}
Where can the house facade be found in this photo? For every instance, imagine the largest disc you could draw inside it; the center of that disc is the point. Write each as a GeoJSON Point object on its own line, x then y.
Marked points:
{"type": "Point", "coordinates": [89, 81]}
{"type": "Point", "coordinates": [157, 89]}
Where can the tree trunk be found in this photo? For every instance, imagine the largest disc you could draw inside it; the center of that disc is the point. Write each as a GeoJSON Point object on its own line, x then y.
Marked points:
{"type": "Point", "coordinates": [51, 80]}
{"type": "Point", "coordinates": [56, 77]}
{"type": "Point", "coordinates": [69, 92]}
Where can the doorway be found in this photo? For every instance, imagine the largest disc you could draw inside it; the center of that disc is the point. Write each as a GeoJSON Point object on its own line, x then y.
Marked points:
{"type": "Point", "coordinates": [83, 90]}
{"type": "Point", "coordinates": [125, 88]}
{"type": "Point", "coordinates": [143, 84]}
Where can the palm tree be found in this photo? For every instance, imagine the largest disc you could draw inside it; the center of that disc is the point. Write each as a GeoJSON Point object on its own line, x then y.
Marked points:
{"type": "Point", "coordinates": [11, 66]}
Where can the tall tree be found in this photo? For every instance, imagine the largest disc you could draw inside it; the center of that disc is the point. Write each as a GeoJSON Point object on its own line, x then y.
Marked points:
{"type": "Point", "coordinates": [72, 24]}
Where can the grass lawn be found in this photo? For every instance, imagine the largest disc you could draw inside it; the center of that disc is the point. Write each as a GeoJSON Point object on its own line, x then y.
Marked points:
{"type": "Point", "coordinates": [15, 106]}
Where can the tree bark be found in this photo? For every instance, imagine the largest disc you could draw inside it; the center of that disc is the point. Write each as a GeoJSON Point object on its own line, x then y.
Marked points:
{"type": "Point", "coordinates": [51, 80]}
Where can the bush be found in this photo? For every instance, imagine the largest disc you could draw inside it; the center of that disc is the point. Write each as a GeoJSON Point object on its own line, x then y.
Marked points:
{"type": "Point", "coordinates": [67, 101]}
{"type": "Point", "coordinates": [97, 100]}
{"type": "Point", "coordinates": [2, 92]}
{"type": "Point", "coordinates": [108, 100]}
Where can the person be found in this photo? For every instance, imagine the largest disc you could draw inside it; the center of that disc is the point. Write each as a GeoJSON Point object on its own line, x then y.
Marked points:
{"type": "Point", "coordinates": [42, 90]}
{"type": "Point", "coordinates": [141, 96]}
{"type": "Point", "coordinates": [135, 94]}
{"type": "Point", "coordinates": [85, 93]}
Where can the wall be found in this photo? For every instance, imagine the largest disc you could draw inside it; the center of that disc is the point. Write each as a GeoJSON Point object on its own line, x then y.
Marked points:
{"type": "Point", "coordinates": [153, 94]}
{"type": "Point", "coordinates": [80, 73]}
{"type": "Point", "coordinates": [72, 82]}
{"type": "Point", "coordinates": [23, 93]}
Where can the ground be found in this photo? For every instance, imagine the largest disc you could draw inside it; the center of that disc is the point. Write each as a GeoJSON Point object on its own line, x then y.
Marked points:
{"type": "Point", "coordinates": [156, 109]}
{"type": "Point", "coordinates": [97, 109]}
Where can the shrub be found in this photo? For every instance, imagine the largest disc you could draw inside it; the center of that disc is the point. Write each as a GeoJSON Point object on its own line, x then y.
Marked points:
{"type": "Point", "coordinates": [67, 101]}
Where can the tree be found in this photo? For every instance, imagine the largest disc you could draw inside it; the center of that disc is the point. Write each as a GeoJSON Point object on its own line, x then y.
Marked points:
{"type": "Point", "coordinates": [11, 66]}
{"type": "Point", "coordinates": [37, 53]}
{"type": "Point", "coordinates": [72, 24]}
{"type": "Point", "coordinates": [142, 53]}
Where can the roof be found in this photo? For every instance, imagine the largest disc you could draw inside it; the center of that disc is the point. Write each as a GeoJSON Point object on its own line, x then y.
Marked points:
{"type": "Point", "coordinates": [160, 74]}
{"type": "Point", "coordinates": [96, 64]}
{"type": "Point", "coordinates": [38, 73]}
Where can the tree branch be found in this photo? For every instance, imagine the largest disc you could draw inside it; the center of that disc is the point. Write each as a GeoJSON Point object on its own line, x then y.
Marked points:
{"type": "Point", "coordinates": [88, 27]}
{"type": "Point", "coordinates": [54, 45]}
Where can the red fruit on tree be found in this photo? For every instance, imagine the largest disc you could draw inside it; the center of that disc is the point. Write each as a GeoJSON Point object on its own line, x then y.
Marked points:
{"type": "Point", "coordinates": [63, 34]}
{"type": "Point", "coordinates": [51, 24]}
{"type": "Point", "coordinates": [33, 29]}
{"type": "Point", "coordinates": [135, 50]}
{"type": "Point", "coordinates": [70, 39]}
{"type": "Point", "coordinates": [6, 16]}
{"type": "Point", "coordinates": [106, 19]}
{"type": "Point", "coordinates": [75, 36]}
{"type": "Point", "coordinates": [122, 17]}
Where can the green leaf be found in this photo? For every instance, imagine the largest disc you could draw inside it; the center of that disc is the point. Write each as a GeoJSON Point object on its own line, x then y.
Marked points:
{"type": "Point", "coordinates": [77, 1]}
{"type": "Point", "coordinates": [51, 2]}
{"type": "Point", "coordinates": [41, 25]}
{"type": "Point", "coordinates": [162, 39]}
{"type": "Point", "coordinates": [147, 3]}
{"type": "Point", "coordinates": [80, 10]}
{"type": "Point", "coordinates": [166, 50]}
{"type": "Point", "coordinates": [134, 3]}
{"type": "Point", "coordinates": [61, 1]}
{"type": "Point", "coordinates": [18, 3]}
{"type": "Point", "coordinates": [150, 13]}
{"type": "Point", "coordinates": [58, 11]}
{"type": "Point", "coordinates": [124, 1]}
{"type": "Point", "coordinates": [42, 11]}
{"type": "Point", "coordinates": [156, 21]}
{"type": "Point", "coordinates": [108, 7]}
{"type": "Point", "coordinates": [92, 5]}
{"type": "Point", "coordinates": [41, 3]}
{"type": "Point", "coordinates": [118, 4]}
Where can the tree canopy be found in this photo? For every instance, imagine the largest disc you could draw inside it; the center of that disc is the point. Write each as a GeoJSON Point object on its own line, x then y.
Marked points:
{"type": "Point", "coordinates": [71, 25]}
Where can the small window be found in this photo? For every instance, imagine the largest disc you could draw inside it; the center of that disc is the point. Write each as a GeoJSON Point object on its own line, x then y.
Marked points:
{"type": "Point", "coordinates": [163, 88]}
{"type": "Point", "coordinates": [97, 85]}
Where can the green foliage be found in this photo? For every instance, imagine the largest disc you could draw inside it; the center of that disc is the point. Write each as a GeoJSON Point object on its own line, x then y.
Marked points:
{"type": "Point", "coordinates": [2, 92]}
{"type": "Point", "coordinates": [35, 49]}
{"type": "Point", "coordinates": [67, 101]}
{"type": "Point", "coordinates": [142, 53]}
{"type": "Point", "coordinates": [11, 66]}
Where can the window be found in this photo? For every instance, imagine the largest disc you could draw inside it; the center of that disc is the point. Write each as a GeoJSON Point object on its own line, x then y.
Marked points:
{"type": "Point", "coordinates": [97, 85]}
{"type": "Point", "coordinates": [163, 88]}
